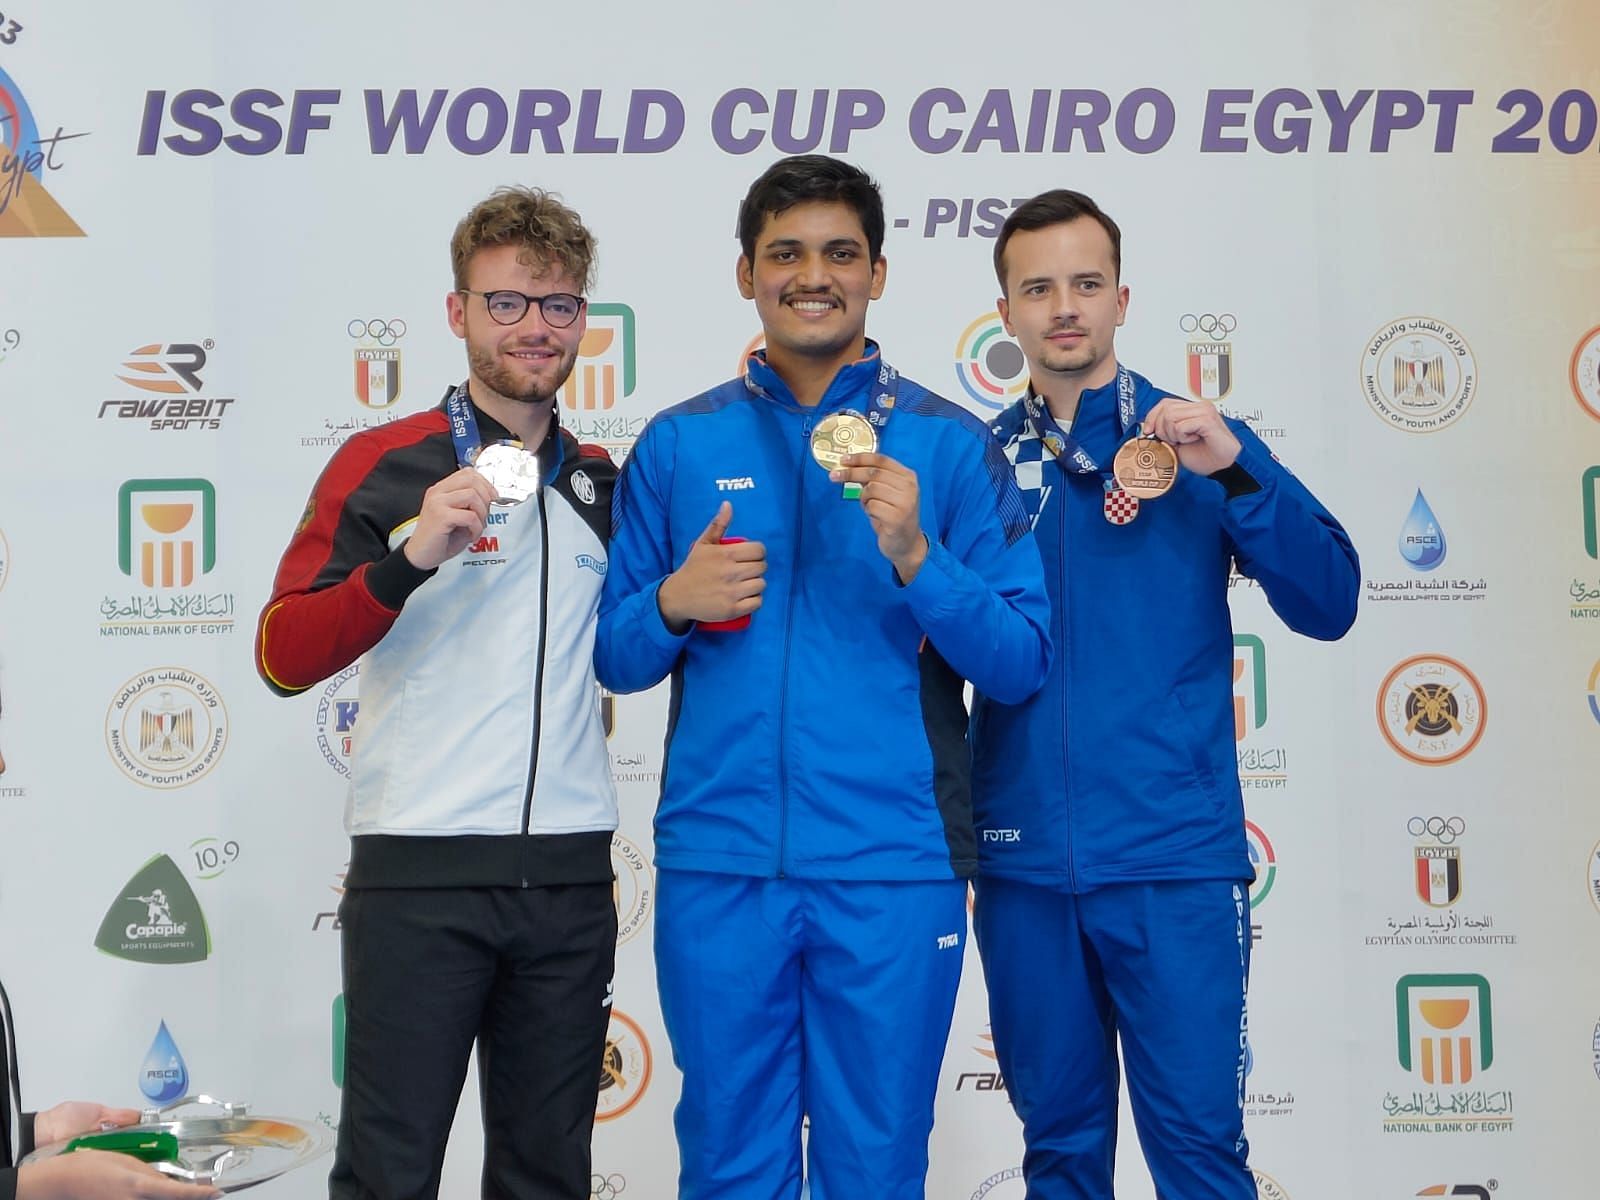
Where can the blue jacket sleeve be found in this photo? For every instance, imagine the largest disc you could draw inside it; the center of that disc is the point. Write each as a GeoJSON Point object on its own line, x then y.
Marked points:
{"type": "Point", "coordinates": [1293, 546]}
{"type": "Point", "coordinates": [633, 647]}
{"type": "Point", "coordinates": [980, 594]}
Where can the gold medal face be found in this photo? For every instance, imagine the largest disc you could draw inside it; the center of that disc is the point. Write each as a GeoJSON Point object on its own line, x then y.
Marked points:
{"type": "Point", "coordinates": [1145, 468]}
{"type": "Point", "coordinates": [511, 470]}
{"type": "Point", "coordinates": [839, 434]}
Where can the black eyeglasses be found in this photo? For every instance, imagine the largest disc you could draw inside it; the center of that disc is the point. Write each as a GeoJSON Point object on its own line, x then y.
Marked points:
{"type": "Point", "coordinates": [506, 307]}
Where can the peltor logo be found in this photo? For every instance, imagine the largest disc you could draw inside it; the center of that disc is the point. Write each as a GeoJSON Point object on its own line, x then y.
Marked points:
{"type": "Point", "coordinates": [1249, 684]}
{"type": "Point", "coordinates": [624, 1068]}
{"type": "Point", "coordinates": [605, 366]}
{"type": "Point", "coordinates": [163, 1076]}
{"type": "Point", "coordinates": [167, 381]}
{"type": "Point", "coordinates": [27, 207]}
{"type": "Point", "coordinates": [377, 360]}
{"type": "Point", "coordinates": [1432, 709]}
{"type": "Point", "coordinates": [337, 711]}
{"type": "Point", "coordinates": [156, 918]}
{"type": "Point", "coordinates": [166, 529]}
{"type": "Point", "coordinates": [989, 364]}
{"type": "Point", "coordinates": [1209, 353]}
{"type": "Point", "coordinates": [1445, 1027]}
{"type": "Point", "coordinates": [1436, 860]}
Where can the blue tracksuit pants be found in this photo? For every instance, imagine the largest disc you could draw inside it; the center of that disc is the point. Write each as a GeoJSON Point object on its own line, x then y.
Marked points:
{"type": "Point", "coordinates": [788, 998]}
{"type": "Point", "coordinates": [1164, 969]}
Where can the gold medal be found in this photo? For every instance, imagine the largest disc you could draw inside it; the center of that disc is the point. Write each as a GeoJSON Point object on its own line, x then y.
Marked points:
{"type": "Point", "coordinates": [842, 433]}
{"type": "Point", "coordinates": [1145, 467]}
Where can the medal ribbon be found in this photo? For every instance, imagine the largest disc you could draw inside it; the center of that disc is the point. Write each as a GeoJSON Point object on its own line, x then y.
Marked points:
{"type": "Point", "coordinates": [1063, 446]}
{"type": "Point", "coordinates": [468, 441]}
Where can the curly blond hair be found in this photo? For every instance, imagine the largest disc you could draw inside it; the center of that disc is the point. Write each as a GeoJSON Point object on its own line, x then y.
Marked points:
{"type": "Point", "coordinates": [547, 230]}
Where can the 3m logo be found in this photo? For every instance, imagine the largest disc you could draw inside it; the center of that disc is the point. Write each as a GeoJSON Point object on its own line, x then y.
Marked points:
{"type": "Point", "coordinates": [605, 365]}
{"type": "Point", "coordinates": [485, 545]}
{"type": "Point", "coordinates": [741, 483]}
{"type": "Point", "coordinates": [1249, 684]}
{"type": "Point", "coordinates": [1445, 1026]}
{"type": "Point", "coordinates": [161, 524]}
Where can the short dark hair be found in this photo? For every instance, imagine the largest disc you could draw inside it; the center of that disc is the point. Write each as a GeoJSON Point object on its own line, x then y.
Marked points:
{"type": "Point", "coordinates": [811, 177]}
{"type": "Point", "coordinates": [1055, 207]}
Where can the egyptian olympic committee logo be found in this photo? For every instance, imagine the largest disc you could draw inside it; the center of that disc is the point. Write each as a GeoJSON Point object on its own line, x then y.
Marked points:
{"type": "Point", "coordinates": [990, 366]}
{"type": "Point", "coordinates": [1585, 372]}
{"type": "Point", "coordinates": [166, 727]}
{"type": "Point", "coordinates": [1418, 374]}
{"type": "Point", "coordinates": [624, 1068]}
{"type": "Point", "coordinates": [1432, 710]}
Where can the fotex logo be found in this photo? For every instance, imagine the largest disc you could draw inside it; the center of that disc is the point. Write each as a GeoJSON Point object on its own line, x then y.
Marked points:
{"type": "Point", "coordinates": [1249, 684]}
{"type": "Point", "coordinates": [166, 531]}
{"type": "Point", "coordinates": [1444, 1026]}
{"type": "Point", "coordinates": [155, 918]}
{"type": "Point", "coordinates": [29, 164]}
{"type": "Point", "coordinates": [989, 365]}
{"type": "Point", "coordinates": [163, 1076]}
{"type": "Point", "coordinates": [606, 366]}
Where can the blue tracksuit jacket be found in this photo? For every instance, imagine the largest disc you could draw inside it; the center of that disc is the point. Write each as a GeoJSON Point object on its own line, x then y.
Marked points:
{"type": "Point", "coordinates": [827, 740]}
{"type": "Point", "coordinates": [1122, 767]}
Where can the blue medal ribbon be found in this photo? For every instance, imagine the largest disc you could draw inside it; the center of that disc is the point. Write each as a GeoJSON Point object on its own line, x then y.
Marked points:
{"type": "Point", "coordinates": [468, 441]}
{"type": "Point", "coordinates": [1063, 446]}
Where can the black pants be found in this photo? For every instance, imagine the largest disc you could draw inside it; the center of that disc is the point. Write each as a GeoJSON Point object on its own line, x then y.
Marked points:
{"type": "Point", "coordinates": [525, 972]}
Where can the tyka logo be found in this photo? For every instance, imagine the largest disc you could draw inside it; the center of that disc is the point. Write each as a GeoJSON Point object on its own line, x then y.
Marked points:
{"type": "Point", "coordinates": [163, 1076]}
{"type": "Point", "coordinates": [605, 366]}
{"type": "Point", "coordinates": [1249, 684]}
{"type": "Point", "coordinates": [27, 207]}
{"type": "Point", "coordinates": [165, 528]}
{"type": "Point", "coordinates": [155, 918]}
{"type": "Point", "coordinates": [1210, 354]}
{"type": "Point", "coordinates": [990, 365]}
{"type": "Point", "coordinates": [1444, 1026]}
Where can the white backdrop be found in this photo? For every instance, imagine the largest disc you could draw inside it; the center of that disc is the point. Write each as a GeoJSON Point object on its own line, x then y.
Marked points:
{"type": "Point", "coordinates": [217, 209]}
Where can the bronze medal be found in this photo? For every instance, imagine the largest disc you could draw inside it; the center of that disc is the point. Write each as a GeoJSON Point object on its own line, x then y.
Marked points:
{"type": "Point", "coordinates": [1145, 468]}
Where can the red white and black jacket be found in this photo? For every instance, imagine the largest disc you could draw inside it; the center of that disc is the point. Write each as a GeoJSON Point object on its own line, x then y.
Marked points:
{"type": "Point", "coordinates": [480, 756]}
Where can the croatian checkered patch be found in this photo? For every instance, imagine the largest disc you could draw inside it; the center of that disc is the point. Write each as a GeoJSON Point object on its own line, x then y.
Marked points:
{"type": "Point", "coordinates": [1119, 507]}
{"type": "Point", "coordinates": [1031, 464]}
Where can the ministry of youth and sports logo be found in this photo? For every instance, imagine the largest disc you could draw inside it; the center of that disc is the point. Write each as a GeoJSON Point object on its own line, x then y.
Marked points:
{"type": "Point", "coordinates": [1418, 374]}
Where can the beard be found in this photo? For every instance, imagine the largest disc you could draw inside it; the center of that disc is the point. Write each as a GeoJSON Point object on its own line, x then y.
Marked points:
{"type": "Point", "coordinates": [504, 378]}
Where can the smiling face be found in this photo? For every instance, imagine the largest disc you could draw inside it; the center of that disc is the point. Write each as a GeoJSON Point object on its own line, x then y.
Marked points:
{"type": "Point", "coordinates": [1063, 303]}
{"type": "Point", "coordinates": [525, 363]}
{"type": "Point", "coordinates": [812, 277]}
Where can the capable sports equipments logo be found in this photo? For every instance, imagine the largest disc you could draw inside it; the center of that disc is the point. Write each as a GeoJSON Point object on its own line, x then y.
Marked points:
{"type": "Point", "coordinates": [155, 918]}
{"type": "Point", "coordinates": [1418, 374]}
{"type": "Point", "coordinates": [990, 365]}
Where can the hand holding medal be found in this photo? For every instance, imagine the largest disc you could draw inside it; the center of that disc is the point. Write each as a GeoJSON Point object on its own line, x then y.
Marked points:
{"type": "Point", "coordinates": [891, 498]}
{"type": "Point", "coordinates": [454, 512]}
{"type": "Point", "coordinates": [1196, 430]}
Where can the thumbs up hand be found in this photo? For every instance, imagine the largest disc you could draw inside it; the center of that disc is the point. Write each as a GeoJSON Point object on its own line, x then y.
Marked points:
{"type": "Point", "coordinates": [718, 581]}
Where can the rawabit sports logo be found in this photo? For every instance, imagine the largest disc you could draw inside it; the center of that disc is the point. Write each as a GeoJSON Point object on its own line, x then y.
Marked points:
{"type": "Point", "coordinates": [336, 718]}
{"type": "Point", "coordinates": [1268, 1188]}
{"type": "Point", "coordinates": [163, 1076]}
{"type": "Point", "coordinates": [377, 360]}
{"type": "Point", "coordinates": [27, 208]}
{"type": "Point", "coordinates": [1585, 372]}
{"type": "Point", "coordinates": [983, 1081]}
{"type": "Point", "coordinates": [1422, 542]}
{"type": "Point", "coordinates": [155, 918]}
{"type": "Point", "coordinates": [331, 916]}
{"type": "Point", "coordinates": [632, 888]}
{"type": "Point", "coordinates": [1418, 374]}
{"type": "Point", "coordinates": [1476, 1191]}
{"type": "Point", "coordinates": [166, 727]}
{"type": "Point", "coordinates": [1432, 710]}
{"type": "Point", "coordinates": [1002, 1185]}
{"type": "Point", "coordinates": [990, 365]}
{"type": "Point", "coordinates": [606, 365]}
{"type": "Point", "coordinates": [1436, 862]}
{"type": "Point", "coordinates": [168, 384]}
{"type": "Point", "coordinates": [1209, 354]}
{"type": "Point", "coordinates": [624, 1068]}
{"type": "Point", "coordinates": [1263, 860]}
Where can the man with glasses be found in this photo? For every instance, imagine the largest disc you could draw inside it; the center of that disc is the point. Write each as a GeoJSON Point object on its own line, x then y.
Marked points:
{"type": "Point", "coordinates": [459, 554]}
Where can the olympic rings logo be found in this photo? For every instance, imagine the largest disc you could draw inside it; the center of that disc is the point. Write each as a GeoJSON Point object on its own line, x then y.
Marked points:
{"type": "Point", "coordinates": [606, 1187]}
{"type": "Point", "coordinates": [1217, 328]}
{"type": "Point", "coordinates": [1443, 830]}
{"type": "Point", "coordinates": [385, 333]}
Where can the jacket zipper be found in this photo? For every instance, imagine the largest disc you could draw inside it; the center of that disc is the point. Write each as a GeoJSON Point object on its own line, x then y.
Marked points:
{"type": "Point", "coordinates": [783, 679]}
{"type": "Point", "coordinates": [1063, 514]}
{"type": "Point", "coordinates": [538, 675]}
